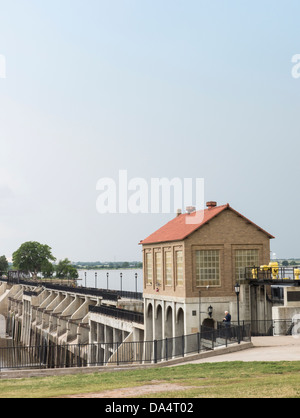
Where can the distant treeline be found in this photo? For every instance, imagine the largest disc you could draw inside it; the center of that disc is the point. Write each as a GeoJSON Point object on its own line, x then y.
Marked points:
{"type": "Point", "coordinates": [109, 265]}
{"type": "Point", "coordinates": [94, 265]}
{"type": "Point", "coordinates": [289, 262]}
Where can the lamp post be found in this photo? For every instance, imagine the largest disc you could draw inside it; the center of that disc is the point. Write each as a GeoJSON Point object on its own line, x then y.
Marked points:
{"type": "Point", "coordinates": [121, 284]}
{"type": "Point", "coordinates": [107, 275]}
{"type": "Point", "coordinates": [237, 292]}
{"type": "Point", "coordinates": [85, 278]}
{"type": "Point", "coordinates": [136, 276]}
{"type": "Point", "coordinates": [95, 280]}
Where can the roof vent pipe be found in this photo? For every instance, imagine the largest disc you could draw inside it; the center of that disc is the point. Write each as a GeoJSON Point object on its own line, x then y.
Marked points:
{"type": "Point", "coordinates": [210, 205]}
{"type": "Point", "coordinates": [190, 209]}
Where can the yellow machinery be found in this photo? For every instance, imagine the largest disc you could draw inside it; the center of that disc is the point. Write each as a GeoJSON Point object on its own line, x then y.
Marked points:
{"type": "Point", "coordinates": [272, 267]}
{"type": "Point", "coordinates": [264, 268]}
{"type": "Point", "coordinates": [254, 273]}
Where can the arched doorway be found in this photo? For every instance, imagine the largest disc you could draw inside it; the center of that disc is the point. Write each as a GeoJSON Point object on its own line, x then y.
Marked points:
{"type": "Point", "coordinates": [169, 323]}
{"type": "Point", "coordinates": [148, 345]}
{"type": "Point", "coordinates": [149, 323]}
{"type": "Point", "coordinates": [169, 333]}
{"type": "Point", "coordinates": [208, 323]}
{"type": "Point", "coordinates": [2, 327]}
{"type": "Point", "coordinates": [159, 332]}
{"type": "Point", "coordinates": [180, 322]}
{"type": "Point", "coordinates": [158, 323]}
{"type": "Point", "coordinates": [179, 332]}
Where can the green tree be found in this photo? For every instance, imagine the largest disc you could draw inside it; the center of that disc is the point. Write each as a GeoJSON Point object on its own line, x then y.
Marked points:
{"type": "Point", "coordinates": [32, 256]}
{"type": "Point", "coordinates": [47, 269]}
{"type": "Point", "coordinates": [285, 263]}
{"type": "Point", "coordinates": [65, 269]}
{"type": "Point", "coordinates": [3, 264]}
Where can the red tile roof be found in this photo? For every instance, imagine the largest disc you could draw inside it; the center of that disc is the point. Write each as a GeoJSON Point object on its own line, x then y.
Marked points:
{"type": "Point", "coordinates": [184, 225]}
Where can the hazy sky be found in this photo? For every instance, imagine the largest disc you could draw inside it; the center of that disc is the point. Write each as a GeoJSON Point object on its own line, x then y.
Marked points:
{"type": "Point", "coordinates": [160, 88]}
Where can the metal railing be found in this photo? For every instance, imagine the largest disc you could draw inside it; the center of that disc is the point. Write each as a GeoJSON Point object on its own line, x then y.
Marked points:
{"type": "Point", "coordinates": [118, 313]}
{"type": "Point", "coordinates": [273, 274]}
{"type": "Point", "coordinates": [272, 327]}
{"type": "Point", "coordinates": [112, 295]}
{"type": "Point", "coordinates": [265, 327]}
{"type": "Point", "coordinates": [49, 355]}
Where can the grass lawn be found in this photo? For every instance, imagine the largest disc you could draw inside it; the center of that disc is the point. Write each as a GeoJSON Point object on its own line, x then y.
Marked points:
{"type": "Point", "coordinates": [213, 380]}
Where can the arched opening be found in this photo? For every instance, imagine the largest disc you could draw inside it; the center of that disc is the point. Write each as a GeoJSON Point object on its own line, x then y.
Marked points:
{"type": "Point", "coordinates": [149, 323]}
{"type": "Point", "coordinates": [2, 327]}
{"type": "Point", "coordinates": [169, 323]}
{"type": "Point", "coordinates": [179, 332]}
{"type": "Point", "coordinates": [180, 322]}
{"type": "Point", "coordinates": [208, 323]}
{"type": "Point", "coordinates": [158, 323]}
{"type": "Point", "coordinates": [158, 332]}
{"type": "Point", "coordinates": [169, 333]}
{"type": "Point", "coordinates": [148, 346]}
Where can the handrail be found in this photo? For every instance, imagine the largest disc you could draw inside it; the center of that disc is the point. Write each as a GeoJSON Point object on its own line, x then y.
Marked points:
{"type": "Point", "coordinates": [276, 274]}
{"type": "Point", "coordinates": [118, 313]}
{"type": "Point", "coordinates": [112, 295]}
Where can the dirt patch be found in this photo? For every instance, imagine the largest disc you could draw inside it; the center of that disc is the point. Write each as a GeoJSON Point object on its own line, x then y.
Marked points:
{"type": "Point", "coordinates": [133, 392]}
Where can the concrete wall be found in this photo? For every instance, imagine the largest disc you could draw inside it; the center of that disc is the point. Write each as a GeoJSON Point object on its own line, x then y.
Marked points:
{"type": "Point", "coordinates": [289, 311]}
{"type": "Point", "coordinates": [39, 316]}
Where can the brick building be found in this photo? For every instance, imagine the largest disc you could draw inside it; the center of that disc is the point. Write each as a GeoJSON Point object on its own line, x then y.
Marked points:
{"type": "Point", "coordinates": [193, 262]}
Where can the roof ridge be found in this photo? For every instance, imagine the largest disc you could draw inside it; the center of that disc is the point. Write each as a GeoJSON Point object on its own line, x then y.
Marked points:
{"type": "Point", "coordinates": [177, 229]}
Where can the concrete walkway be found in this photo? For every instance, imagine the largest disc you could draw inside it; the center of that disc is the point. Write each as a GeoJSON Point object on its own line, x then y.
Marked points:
{"type": "Point", "coordinates": [285, 348]}
{"type": "Point", "coordinates": [260, 349]}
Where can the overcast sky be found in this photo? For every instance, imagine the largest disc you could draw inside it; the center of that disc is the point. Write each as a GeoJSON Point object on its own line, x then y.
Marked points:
{"type": "Point", "coordinates": [160, 88]}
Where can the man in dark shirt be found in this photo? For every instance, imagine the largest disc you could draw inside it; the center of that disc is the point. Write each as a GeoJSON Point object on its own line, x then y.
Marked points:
{"type": "Point", "coordinates": [227, 318]}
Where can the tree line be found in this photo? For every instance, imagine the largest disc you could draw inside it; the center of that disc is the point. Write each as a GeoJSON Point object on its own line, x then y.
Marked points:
{"type": "Point", "coordinates": [35, 258]}
{"type": "Point", "coordinates": [94, 265]}
{"type": "Point", "coordinates": [286, 263]}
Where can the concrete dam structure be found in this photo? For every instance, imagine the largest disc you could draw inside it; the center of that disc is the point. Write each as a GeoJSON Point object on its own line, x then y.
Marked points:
{"type": "Point", "coordinates": [56, 326]}
{"type": "Point", "coordinates": [47, 315]}
{"type": "Point", "coordinates": [193, 272]}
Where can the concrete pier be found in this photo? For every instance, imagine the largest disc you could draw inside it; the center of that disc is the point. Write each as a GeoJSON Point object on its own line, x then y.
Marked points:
{"type": "Point", "coordinates": [44, 316]}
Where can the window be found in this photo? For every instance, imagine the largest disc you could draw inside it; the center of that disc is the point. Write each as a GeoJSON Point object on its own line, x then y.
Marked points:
{"type": "Point", "coordinates": [179, 268]}
{"type": "Point", "coordinates": [168, 268]}
{"type": "Point", "coordinates": [148, 268]}
{"type": "Point", "coordinates": [245, 258]}
{"type": "Point", "coordinates": [158, 268]}
{"type": "Point", "coordinates": [208, 268]}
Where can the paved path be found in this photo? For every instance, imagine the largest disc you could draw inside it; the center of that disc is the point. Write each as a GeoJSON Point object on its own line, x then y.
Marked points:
{"type": "Point", "coordinates": [264, 349]}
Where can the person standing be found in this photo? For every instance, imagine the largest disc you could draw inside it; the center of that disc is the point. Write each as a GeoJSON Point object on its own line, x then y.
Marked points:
{"type": "Point", "coordinates": [227, 323]}
{"type": "Point", "coordinates": [227, 319]}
